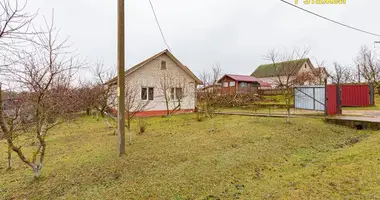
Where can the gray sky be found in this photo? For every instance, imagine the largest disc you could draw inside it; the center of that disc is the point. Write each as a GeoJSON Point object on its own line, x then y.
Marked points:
{"type": "Point", "coordinates": [201, 32]}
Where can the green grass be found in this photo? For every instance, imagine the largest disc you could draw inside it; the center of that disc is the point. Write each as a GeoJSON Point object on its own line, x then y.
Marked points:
{"type": "Point", "coordinates": [275, 99]}
{"type": "Point", "coordinates": [246, 157]}
{"type": "Point", "coordinates": [272, 111]}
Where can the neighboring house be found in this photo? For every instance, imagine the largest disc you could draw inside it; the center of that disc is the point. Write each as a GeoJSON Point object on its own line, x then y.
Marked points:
{"type": "Point", "coordinates": [160, 81]}
{"type": "Point", "coordinates": [240, 84]}
{"type": "Point", "coordinates": [320, 74]}
{"type": "Point", "coordinates": [303, 72]}
{"type": "Point", "coordinates": [216, 88]}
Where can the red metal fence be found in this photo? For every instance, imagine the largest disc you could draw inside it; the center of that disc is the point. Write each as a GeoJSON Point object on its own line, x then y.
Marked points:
{"type": "Point", "coordinates": [355, 95]}
{"type": "Point", "coordinates": [332, 100]}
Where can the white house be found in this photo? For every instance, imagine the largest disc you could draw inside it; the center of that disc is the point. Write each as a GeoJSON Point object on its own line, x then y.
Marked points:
{"type": "Point", "coordinates": [159, 84]}
{"type": "Point", "coordinates": [302, 70]}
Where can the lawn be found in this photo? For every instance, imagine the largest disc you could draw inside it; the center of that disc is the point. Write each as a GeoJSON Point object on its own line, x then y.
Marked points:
{"type": "Point", "coordinates": [275, 99]}
{"type": "Point", "coordinates": [271, 111]}
{"type": "Point", "coordinates": [246, 158]}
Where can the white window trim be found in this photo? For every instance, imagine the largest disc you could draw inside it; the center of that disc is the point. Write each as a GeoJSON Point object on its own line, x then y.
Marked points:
{"type": "Point", "coordinates": [175, 94]}
{"type": "Point", "coordinates": [147, 94]}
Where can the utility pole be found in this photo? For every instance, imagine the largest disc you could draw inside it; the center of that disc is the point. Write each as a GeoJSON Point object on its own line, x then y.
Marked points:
{"type": "Point", "coordinates": [121, 76]}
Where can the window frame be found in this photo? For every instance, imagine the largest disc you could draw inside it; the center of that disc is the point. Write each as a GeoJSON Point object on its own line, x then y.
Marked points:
{"type": "Point", "coordinates": [174, 92]}
{"type": "Point", "coordinates": [243, 83]}
{"type": "Point", "coordinates": [225, 84]}
{"type": "Point", "coordinates": [232, 83]}
{"type": "Point", "coordinates": [149, 96]}
{"type": "Point", "coordinates": [146, 93]}
{"type": "Point", "coordinates": [163, 65]}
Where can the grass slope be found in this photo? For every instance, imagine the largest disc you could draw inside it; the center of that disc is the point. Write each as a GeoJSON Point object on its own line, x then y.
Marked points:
{"type": "Point", "coordinates": [246, 158]}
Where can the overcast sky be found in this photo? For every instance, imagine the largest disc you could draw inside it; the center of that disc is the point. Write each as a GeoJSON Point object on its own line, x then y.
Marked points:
{"type": "Point", "coordinates": [201, 32]}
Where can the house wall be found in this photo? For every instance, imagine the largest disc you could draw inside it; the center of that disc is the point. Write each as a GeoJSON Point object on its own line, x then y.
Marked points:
{"type": "Point", "coordinates": [229, 89]}
{"type": "Point", "coordinates": [151, 76]}
{"type": "Point", "coordinates": [251, 88]}
{"type": "Point", "coordinates": [274, 81]}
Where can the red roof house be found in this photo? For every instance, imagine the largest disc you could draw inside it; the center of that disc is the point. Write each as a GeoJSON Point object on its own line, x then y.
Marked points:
{"type": "Point", "coordinates": [240, 84]}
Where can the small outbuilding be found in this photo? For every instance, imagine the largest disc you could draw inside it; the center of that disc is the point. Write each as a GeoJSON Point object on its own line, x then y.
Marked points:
{"type": "Point", "coordinates": [240, 84]}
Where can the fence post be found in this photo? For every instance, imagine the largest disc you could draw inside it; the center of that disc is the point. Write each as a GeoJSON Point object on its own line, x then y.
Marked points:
{"type": "Point", "coordinates": [326, 99]}
{"type": "Point", "coordinates": [338, 99]}
{"type": "Point", "coordinates": [313, 98]}
{"type": "Point", "coordinates": [371, 94]}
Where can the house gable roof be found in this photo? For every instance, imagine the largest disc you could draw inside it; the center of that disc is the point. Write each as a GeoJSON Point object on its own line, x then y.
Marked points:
{"type": "Point", "coordinates": [271, 70]}
{"type": "Point", "coordinates": [170, 55]}
{"type": "Point", "coordinates": [319, 70]}
{"type": "Point", "coordinates": [244, 78]}
{"type": "Point", "coordinates": [241, 78]}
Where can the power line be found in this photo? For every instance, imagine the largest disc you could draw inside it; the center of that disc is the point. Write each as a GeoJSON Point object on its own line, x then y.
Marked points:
{"type": "Point", "coordinates": [158, 24]}
{"type": "Point", "coordinates": [333, 21]}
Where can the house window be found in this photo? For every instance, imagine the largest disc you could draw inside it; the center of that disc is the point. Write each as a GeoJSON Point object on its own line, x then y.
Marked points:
{"type": "Point", "coordinates": [163, 65]}
{"type": "Point", "coordinates": [243, 84]}
{"type": "Point", "coordinates": [225, 84]}
{"type": "Point", "coordinates": [232, 84]}
{"type": "Point", "coordinates": [172, 95]}
{"type": "Point", "coordinates": [147, 93]}
{"type": "Point", "coordinates": [179, 94]}
{"type": "Point", "coordinates": [151, 94]}
{"type": "Point", "coordinates": [176, 93]}
{"type": "Point", "coordinates": [305, 66]}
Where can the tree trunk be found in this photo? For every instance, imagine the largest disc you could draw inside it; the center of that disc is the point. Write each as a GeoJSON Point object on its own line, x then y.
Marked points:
{"type": "Point", "coordinates": [212, 125]}
{"type": "Point", "coordinates": [288, 110]}
{"type": "Point", "coordinates": [9, 157]}
{"type": "Point", "coordinates": [167, 108]}
{"type": "Point", "coordinates": [37, 171]}
{"type": "Point", "coordinates": [107, 122]}
{"type": "Point", "coordinates": [130, 135]}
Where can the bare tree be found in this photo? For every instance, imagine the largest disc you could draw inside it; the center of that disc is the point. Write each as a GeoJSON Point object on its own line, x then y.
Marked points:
{"type": "Point", "coordinates": [133, 105]}
{"type": "Point", "coordinates": [286, 69]}
{"type": "Point", "coordinates": [320, 72]}
{"type": "Point", "coordinates": [342, 74]}
{"type": "Point", "coordinates": [173, 88]}
{"type": "Point", "coordinates": [102, 91]}
{"type": "Point", "coordinates": [209, 99]}
{"type": "Point", "coordinates": [11, 116]}
{"type": "Point", "coordinates": [45, 75]}
{"type": "Point", "coordinates": [15, 29]}
{"type": "Point", "coordinates": [369, 65]}
{"type": "Point", "coordinates": [87, 95]}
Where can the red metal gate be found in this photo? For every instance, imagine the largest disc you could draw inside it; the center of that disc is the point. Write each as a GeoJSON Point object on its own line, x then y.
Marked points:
{"type": "Point", "coordinates": [355, 95]}
{"type": "Point", "coordinates": [332, 100]}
